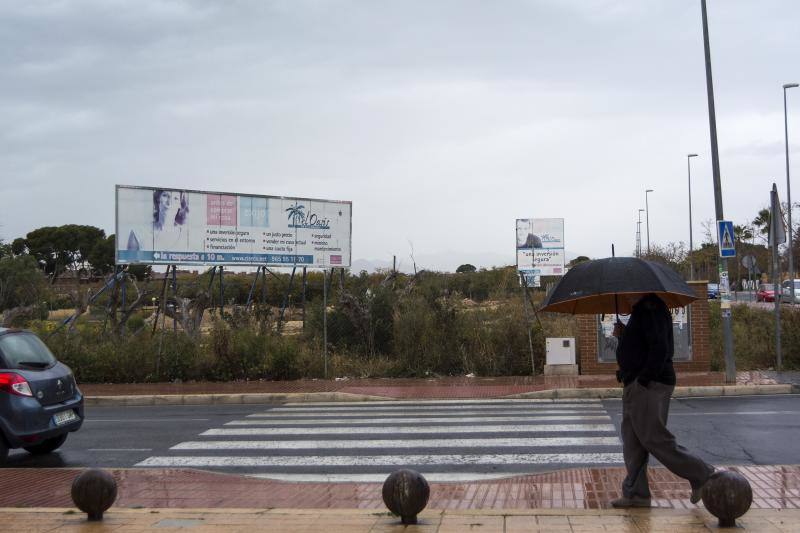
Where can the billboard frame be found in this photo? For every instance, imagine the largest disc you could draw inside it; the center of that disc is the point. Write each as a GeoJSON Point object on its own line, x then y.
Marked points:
{"type": "Point", "coordinates": [117, 187]}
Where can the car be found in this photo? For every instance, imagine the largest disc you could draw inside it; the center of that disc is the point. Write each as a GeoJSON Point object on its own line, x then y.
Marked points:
{"type": "Point", "coordinates": [765, 293]}
{"type": "Point", "coordinates": [786, 291]}
{"type": "Point", "coordinates": [713, 291]}
{"type": "Point", "coordinates": [40, 403]}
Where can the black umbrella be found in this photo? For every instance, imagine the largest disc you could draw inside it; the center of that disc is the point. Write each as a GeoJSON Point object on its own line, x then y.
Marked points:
{"type": "Point", "coordinates": [614, 285]}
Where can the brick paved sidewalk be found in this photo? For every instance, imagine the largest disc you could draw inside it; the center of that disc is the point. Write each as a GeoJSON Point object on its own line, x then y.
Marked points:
{"type": "Point", "coordinates": [360, 521]}
{"type": "Point", "coordinates": [445, 387]}
{"type": "Point", "coordinates": [774, 487]}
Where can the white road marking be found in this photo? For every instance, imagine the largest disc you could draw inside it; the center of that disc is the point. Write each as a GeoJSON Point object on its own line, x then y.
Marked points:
{"type": "Point", "coordinates": [387, 460]}
{"type": "Point", "coordinates": [146, 419]}
{"type": "Point", "coordinates": [395, 443]}
{"type": "Point", "coordinates": [380, 403]}
{"type": "Point", "coordinates": [432, 477]}
{"type": "Point", "coordinates": [734, 413]}
{"type": "Point", "coordinates": [348, 430]}
{"type": "Point", "coordinates": [120, 449]}
{"type": "Point", "coordinates": [411, 412]}
{"type": "Point", "coordinates": [426, 407]}
{"type": "Point", "coordinates": [364, 421]}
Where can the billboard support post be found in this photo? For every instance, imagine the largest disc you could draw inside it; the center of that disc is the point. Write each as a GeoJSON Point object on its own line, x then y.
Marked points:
{"type": "Point", "coordinates": [325, 320]}
{"type": "Point", "coordinates": [175, 298]}
{"type": "Point", "coordinates": [524, 287]}
{"type": "Point", "coordinates": [252, 289]}
{"type": "Point", "coordinates": [124, 290]}
{"type": "Point", "coordinates": [286, 298]}
{"type": "Point", "coordinates": [263, 285]}
{"type": "Point", "coordinates": [161, 302]}
{"type": "Point", "coordinates": [305, 281]}
{"type": "Point", "coordinates": [221, 293]}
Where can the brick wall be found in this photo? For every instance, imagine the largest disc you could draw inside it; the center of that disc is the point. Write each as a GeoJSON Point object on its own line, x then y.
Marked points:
{"type": "Point", "coordinates": [701, 347]}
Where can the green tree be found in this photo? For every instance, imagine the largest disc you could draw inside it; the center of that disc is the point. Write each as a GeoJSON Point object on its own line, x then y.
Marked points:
{"type": "Point", "coordinates": [466, 268]}
{"type": "Point", "coordinates": [61, 248]}
{"type": "Point", "coordinates": [21, 282]}
{"type": "Point", "coordinates": [101, 255]}
{"type": "Point", "coordinates": [578, 260]}
{"type": "Point", "coordinates": [761, 223]}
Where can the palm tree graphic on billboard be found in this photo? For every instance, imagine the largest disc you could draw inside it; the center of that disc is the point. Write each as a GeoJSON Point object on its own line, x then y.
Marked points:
{"type": "Point", "coordinates": [296, 214]}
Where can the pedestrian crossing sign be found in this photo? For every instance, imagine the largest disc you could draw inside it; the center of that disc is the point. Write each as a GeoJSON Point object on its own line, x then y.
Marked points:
{"type": "Point", "coordinates": [725, 238]}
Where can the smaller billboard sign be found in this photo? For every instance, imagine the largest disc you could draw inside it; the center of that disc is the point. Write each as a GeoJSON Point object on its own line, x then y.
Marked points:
{"type": "Point", "coordinates": [530, 278]}
{"type": "Point", "coordinates": [540, 246]}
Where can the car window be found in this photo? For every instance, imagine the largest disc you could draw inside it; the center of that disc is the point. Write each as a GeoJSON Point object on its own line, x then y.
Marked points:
{"type": "Point", "coordinates": [25, 351]}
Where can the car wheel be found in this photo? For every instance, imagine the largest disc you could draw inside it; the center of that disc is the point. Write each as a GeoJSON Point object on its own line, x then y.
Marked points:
{"type": "Point", "coordinates": [47, 446]}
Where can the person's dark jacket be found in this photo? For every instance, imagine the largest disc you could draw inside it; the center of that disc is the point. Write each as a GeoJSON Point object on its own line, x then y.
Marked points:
{"type": "Point", "coordinates": [645, 350]}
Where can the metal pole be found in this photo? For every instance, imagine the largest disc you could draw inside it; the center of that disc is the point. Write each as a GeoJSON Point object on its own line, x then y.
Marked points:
{"type": "Point", "coordinates": [788, 188]}
{"type": "Point", "coordinates": [305, 281]}
{"type": "Point", "coordinates": [691, 242]}
{"type": "Point", "coordinates": [640, 232]}
{"type": "Point", "coordinates": [325, 319]}
{"type": "Point", "coordinates": [727, 334]}
{"type": "Point", "coordinates": [221, 293]}
{"type": "Point", "coordinates": [647, 208]}
{"type": "Point", "coordinates": [175, 298]}
{"type": "Point", "coordinates": [776, 278]}
{"type": "Point", "coordinates": [263, 286]}
{"type": "Point", "coordinates": [524, 286]}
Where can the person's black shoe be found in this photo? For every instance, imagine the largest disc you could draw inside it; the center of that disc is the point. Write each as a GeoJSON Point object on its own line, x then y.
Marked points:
{"type": "Point", "coordinates": [625, 503]}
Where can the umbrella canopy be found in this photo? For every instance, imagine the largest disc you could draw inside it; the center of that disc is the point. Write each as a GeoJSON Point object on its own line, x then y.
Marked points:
{"type": "Point", "coordinates": [614, 285]}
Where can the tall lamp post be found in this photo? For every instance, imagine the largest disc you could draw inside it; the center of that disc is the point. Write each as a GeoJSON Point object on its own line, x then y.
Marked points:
{"type": "Point", "coordinates": [788, 188]}
{"type": "Point", "coordinates": [647, 208]}
{"type": "Point", "coordinates": [727, 330]}
{"type": "Point", "coordinates": [691, 243]}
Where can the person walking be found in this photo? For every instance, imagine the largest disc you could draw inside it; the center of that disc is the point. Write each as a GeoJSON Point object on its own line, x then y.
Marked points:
{"type": "Point", "coordinates": [644, 356]}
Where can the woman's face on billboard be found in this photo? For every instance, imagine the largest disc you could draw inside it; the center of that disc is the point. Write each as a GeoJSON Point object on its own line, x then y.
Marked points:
{"type": "Point", "coordinates": [169, 203]}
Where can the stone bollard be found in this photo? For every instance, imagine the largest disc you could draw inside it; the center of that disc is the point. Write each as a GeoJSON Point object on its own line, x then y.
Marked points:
{"type": "Point", "coordinates": [405, 493]}
{"type": "Point", "coordinates": [727, 495]}
{"type": "Point", "coordinates": [93, 492]}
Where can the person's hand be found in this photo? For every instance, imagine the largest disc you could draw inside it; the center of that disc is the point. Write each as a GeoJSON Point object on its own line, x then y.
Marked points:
{"type": "Point", "coordinates": [619, 329]}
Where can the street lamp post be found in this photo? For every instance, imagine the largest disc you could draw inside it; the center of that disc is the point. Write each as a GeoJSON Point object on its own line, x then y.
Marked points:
{"type": "Point", "coordinates": [788, 187]}
{"type": "Point", "coordinates": [647, 208]}
{"type": "Point", "coordinates": [727, 330]}
{"type": "Point", "coordinates": [691, 243]}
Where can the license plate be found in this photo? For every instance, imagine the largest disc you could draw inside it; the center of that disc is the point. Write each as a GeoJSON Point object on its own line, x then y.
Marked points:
{"type": "Point", "coordinates": [65, 417]}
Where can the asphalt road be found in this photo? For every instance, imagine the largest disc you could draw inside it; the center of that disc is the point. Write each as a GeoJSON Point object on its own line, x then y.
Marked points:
{"type": "Point", "coordinates": [447, 440]}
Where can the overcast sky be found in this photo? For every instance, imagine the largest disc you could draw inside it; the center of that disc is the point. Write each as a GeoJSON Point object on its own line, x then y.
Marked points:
{"type": "Point", "coordinates": [442, 121]}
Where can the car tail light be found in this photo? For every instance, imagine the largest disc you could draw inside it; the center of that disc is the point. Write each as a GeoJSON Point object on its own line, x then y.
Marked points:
{"type": "Point", "coordinates": [14, 384]}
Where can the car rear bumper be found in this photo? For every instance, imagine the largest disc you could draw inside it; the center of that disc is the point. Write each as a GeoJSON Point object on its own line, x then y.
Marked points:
{"type": "Point", "coordinates": [24, 421]}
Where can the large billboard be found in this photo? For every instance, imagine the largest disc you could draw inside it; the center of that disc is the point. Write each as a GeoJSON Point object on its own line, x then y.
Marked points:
{"type": "Point", "coordinates": [540, 246]}
{"type": "Point", "coordinates": [178, 226]}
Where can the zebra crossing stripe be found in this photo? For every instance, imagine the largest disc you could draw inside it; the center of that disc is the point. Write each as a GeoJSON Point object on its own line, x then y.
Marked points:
{"type": "Point", "coordinates": [432, 477]}
{"type": "Point", "coordinates": [385, 460]}
{"type": "Point", "coordinates": [425, 407]}
{"type": "Point", "coordinates": [380, 403]}
{"type": "Point", "coordinates": [407, 412]}
{"type": "Point", "coordinates": [366, 421]}
{"type": "Point", "coordinates": [395, 443]}
{"type": "Point", "coordinates": [349, 430]}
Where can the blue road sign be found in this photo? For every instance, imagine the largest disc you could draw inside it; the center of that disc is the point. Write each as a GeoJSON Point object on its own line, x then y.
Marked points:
{"type": "Point", "coordinates": [725, 238]}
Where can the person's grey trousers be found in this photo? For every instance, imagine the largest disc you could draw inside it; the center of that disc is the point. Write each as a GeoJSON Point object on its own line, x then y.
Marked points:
{"type": "Point", "coordinates": [644, 432]}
